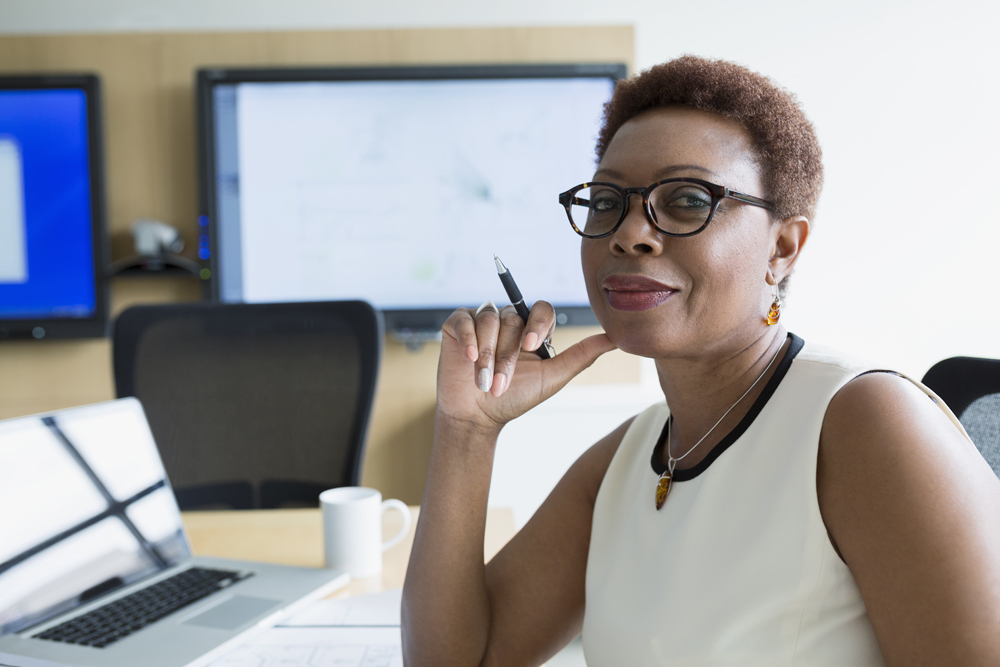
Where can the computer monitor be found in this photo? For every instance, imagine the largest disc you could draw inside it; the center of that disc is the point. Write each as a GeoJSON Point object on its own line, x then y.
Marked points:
{"type": "Point", "coordinates": [397, 185]}
{"type": "Point", "coordinates": [52, 241]}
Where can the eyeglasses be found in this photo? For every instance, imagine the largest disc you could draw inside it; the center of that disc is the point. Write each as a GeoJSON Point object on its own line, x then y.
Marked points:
{"type": "Point", "coordinates": [675, 206]}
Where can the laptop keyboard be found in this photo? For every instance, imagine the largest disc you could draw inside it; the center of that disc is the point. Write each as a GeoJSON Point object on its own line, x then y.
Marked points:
{"type": "Point", "coordinates": [117, 620]}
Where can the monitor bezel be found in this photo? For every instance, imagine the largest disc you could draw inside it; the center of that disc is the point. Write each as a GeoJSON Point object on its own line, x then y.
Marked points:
{"type": "Point", "coordinates": [396, 320]}
{"type": "Point", "coordinates": [95, 326]}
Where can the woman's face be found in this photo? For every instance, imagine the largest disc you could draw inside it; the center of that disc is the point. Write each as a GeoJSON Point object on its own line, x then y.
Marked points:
{"type": "Point", "coordinates": [709, 293]}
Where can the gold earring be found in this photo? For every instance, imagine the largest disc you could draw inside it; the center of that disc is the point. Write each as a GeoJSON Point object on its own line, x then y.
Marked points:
{"type": "Point", "coordinates": [775, 312]}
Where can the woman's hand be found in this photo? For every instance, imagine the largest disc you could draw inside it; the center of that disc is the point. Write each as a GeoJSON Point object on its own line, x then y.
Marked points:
{"type": "Point", "coordinates": [488, 374]}
{"type": "Point", "coordinates": [477, 383]}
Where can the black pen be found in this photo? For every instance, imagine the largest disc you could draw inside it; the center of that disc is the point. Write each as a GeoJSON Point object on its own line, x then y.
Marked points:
{"type": "Point", "coordinates": [545, 350]}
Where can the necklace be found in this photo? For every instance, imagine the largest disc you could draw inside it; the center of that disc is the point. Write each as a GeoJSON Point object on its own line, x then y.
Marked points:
{"type": "Point", "coordinates": [667, 478]}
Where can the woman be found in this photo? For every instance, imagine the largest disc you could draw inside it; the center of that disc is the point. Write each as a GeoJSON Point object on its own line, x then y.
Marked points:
{"type": "Point", "coordinates": [789, 508]}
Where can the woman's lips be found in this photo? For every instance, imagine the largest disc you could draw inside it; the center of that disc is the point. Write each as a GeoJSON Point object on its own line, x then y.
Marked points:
{"type": "Point", "coordinates": [636, 292]}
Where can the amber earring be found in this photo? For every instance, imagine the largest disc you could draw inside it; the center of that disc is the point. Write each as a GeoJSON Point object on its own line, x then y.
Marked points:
{"type": "Point", "coordinates": [775, 312]}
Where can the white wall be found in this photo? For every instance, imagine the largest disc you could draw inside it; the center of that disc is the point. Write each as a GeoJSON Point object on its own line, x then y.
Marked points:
{"type": "Point", "coordinates": [903, 95]}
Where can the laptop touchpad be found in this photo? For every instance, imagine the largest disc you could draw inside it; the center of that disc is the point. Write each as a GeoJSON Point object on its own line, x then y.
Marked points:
{"type": "Point", "coordinates": [233, 613]}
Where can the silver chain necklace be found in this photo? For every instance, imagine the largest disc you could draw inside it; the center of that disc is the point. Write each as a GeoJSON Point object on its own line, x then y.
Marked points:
{"type": "Point", "coordinates": [666, 479]}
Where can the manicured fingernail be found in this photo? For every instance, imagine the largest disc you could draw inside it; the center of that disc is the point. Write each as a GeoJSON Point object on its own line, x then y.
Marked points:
{"type": "Point", "coordinates": [500, 382]}
{"type": "Point", "coordinates": [531, 341]}
{"type": "Point", "coordinates": [485, 379]}
{"type": "Point", "coordinates": [471, 353]}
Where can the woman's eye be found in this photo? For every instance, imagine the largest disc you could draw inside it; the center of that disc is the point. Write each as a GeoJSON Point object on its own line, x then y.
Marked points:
{"type": "Point", "coordinates": [688, 201]}
{"type": "Point", "coordinates": [604, 203]}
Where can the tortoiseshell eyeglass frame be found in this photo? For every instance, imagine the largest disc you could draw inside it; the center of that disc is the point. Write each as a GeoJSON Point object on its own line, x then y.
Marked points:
{"type": "Point", "coordinates": [718, 192]}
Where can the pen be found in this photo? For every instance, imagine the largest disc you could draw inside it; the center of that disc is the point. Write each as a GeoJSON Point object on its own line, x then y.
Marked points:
{"type": "Point", "coordinates": [545, 350]}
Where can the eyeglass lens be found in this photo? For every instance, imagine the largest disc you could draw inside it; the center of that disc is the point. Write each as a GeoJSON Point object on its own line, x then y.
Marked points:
{"type": "Point", "coordinates": [677, 208]}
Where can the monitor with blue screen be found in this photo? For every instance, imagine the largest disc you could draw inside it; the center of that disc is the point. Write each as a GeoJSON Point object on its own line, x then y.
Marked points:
{"type": "Point", "coordinates": [397, 185]}
{"type": "Point", "coordinates": [51, 208]}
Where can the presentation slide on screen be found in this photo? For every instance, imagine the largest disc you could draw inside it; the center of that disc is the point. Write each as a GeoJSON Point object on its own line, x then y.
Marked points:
{"type": "Point", "coordinates": [13, 251]}
{"type": "Point", "coordinates": [401, 192]}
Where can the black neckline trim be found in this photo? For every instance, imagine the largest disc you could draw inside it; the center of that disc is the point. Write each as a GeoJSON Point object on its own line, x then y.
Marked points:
{"type": "Point", "coordinates": [772, 384]}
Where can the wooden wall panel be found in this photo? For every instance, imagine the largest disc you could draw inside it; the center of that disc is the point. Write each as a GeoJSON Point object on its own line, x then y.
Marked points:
{"type": "Point", "coordinates": [151, 167]}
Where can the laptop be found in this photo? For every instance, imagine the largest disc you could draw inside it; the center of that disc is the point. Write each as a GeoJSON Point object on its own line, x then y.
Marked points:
{"type": "Point", "coordinates": [95, 568]}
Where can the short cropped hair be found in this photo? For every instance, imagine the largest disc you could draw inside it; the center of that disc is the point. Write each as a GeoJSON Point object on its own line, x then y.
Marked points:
{"type": "Point", "coordinates": [787, 149]}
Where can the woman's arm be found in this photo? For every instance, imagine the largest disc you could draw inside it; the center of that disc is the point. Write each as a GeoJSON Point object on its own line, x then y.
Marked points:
{"type": "Point", "coordinates": [456, 611]}
{"type": "Point", "coordinates": [915, 512]}
{"type": "Point", "coordinates": [536, 582]}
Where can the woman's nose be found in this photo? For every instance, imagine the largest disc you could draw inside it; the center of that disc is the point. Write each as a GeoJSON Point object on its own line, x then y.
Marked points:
{"type": "Point", "coordinates": [636, 235]}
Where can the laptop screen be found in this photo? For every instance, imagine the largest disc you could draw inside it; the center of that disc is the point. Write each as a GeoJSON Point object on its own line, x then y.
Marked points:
{"type": "Point", "coordinates": [85, 507]}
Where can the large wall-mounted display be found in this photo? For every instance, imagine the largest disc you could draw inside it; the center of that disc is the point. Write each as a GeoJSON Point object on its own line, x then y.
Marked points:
{"type": "Point", "coordinates": [52, 242]}
{"type": "Point", "coordinates": [397, 185]}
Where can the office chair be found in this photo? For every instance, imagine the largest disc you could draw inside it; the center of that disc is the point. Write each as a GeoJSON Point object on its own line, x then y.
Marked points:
{"type": "Point", "coordinates": [971, 388]}
{"type": "Point", "coordinates": [253, 405]}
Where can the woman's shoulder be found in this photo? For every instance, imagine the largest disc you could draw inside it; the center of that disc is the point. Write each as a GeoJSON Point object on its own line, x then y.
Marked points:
{"type": "Point", "coordinates": [887, 406]}
{"type": "Point", "coordinates": [857, 387]}
{"type": "Point", "coordinates": [866, 389]}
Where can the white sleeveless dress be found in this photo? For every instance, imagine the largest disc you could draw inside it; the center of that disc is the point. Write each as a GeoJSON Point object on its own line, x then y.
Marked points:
{"type": "Point", "coordinates": [737, 568]}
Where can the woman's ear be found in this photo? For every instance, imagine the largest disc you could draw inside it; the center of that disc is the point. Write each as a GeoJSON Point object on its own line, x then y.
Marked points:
{"type": "Point", "coordinates": [788, 238]}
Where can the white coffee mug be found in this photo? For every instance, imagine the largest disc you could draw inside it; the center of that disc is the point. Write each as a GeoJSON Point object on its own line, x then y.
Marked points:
{"type": "Point", "coordinates": [352, 529]}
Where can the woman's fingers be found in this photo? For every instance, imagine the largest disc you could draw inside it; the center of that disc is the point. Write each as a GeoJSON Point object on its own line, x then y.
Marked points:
{"type": "Point", "coordinates": [492, 341]}
{"type": "Point", "coordinates": [507, 349]}
{"type": "Point", "coordinates": [541, 323]}
{"type": "Point", "coordinates": [487, 322]}
{"type": "Point", "coordinates": [462, 327]}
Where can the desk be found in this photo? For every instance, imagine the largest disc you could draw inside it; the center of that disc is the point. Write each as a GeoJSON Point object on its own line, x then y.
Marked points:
{"type": "Point", "coordinates": [295, 537]}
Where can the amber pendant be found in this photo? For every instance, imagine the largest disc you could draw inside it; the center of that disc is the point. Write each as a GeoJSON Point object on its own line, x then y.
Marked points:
{"type": "Point", "coordinates": [663, 488]}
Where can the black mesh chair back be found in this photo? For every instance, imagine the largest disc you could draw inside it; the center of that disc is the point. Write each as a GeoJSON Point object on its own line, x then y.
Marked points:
{"type": "Point", "coordinates": [253, 405]}
{"type": "Point", "coordinates": [971, 388]}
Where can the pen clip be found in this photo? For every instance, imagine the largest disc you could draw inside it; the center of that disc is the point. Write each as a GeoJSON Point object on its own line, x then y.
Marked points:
{"type": "Point", "coordinates": [548, 347]}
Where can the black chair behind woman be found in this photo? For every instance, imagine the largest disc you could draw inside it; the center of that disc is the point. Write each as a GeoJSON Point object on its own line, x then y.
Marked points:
{"type": "Point", "coordinates": [253, 405]}
{"type": "Point", "coordinates": [971, 388]}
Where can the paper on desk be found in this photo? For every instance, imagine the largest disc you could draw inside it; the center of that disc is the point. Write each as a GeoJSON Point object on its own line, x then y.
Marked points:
{"type": "Point", "coordinates": [319, 647]}
{"type": "Point", "coordinates": [375, 609]}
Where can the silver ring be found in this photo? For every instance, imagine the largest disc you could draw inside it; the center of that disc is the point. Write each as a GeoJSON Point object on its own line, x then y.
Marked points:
{"type": "Point", "coordinates": [489, 305]}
